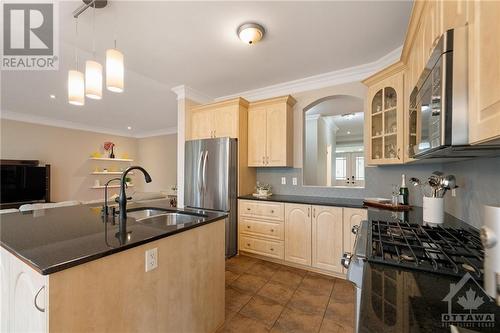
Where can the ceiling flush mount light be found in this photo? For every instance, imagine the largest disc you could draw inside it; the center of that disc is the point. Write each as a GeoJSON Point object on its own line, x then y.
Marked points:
{"type": "Point", "coordinates": [250, 33]}
{"type": "Point", "coordinates": [348, 116]}
{"type": "Point", "coordinates": [114, 70]}
{"type": "Point", "coordinates": [52, 96]}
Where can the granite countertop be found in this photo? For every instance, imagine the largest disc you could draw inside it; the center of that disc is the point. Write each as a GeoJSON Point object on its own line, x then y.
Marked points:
{"type": "Point", "coordinates": [396, 299]}
{"type": "Point", "coordinates": [55, 239]}
{"type": "Point", "coordinates": [309, 200]}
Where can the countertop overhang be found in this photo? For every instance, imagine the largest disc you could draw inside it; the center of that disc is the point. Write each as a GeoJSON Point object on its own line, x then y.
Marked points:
{"type": "Point", "coordinates": [51, 240]}
{"type": "Point", "coordinates": [309, 200]}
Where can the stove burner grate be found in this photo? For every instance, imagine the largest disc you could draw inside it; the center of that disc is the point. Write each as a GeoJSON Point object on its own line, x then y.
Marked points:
{"type": "Point", "coordinates": [443, 250]}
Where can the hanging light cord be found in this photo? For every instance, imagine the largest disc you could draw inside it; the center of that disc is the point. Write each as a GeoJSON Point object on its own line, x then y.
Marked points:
{"type": "Point", "coordinates": [76, 43]}
{"type": "Point", "coordinates": [93, 30]}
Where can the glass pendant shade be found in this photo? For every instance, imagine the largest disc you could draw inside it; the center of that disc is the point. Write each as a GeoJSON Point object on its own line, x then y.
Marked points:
{"type": "Point", "coordinates": [114, 70]}
{"type": "Point", "coordinates": [76, 88]}
{"type": "Point", "coordinates": [93, 79]}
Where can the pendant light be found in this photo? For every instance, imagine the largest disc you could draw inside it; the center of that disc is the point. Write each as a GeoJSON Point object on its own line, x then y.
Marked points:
{"type": "Point", "coordinates": [76, 83]}
{"type": "Point", "coordinates": [114, 70]}
{"type": "Point", "coordinates": [93, 70]}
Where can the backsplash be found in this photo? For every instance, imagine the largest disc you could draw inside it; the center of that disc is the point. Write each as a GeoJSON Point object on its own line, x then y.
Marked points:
{"type": "Point", "coordinates": [479, 182]}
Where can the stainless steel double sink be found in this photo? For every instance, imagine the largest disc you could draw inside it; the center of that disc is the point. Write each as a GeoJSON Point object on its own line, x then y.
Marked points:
{"type": "Point", "coordinates": [163, 217]}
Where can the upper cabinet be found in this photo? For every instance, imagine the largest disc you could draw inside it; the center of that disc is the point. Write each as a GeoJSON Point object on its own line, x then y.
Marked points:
{"type": "Point", "coordinates": [216, 120]}
{"type": "Point", "coordinates": [384, 117]}
{"type": "Point", "coordinates": [484, 71]}
{"type": "Point", "coordinates": [270, 132]}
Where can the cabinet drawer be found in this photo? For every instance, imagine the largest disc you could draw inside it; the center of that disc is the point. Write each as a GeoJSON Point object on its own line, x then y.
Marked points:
{"type": "Point", "coordinates": [261, 228]}
{"type": "Point", "coordinates": [267, 210]}
{"type": "Point", "coordinates": [268, 248]}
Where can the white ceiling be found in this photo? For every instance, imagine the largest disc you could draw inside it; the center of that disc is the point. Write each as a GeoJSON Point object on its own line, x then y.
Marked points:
{"type": "Point", "coordinates": [167, 44]}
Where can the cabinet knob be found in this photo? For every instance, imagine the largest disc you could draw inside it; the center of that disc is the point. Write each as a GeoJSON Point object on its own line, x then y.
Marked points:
{"type": "Point", "coordinates": [272, 211]}
{"type": "Point", "coordinates": [272, 249]}
{"type": "Point", "coordinates": [248, 208]}
{"type": "Point", "coordinates": [248, 226]}
{"type": "Point", "coordinates": [272, 230]}
{"type": "Point", "coordinates": [248, 244]}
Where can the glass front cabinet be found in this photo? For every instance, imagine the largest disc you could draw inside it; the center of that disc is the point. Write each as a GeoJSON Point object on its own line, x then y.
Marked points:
{"type": "Point", "coordinates": [385, 125]}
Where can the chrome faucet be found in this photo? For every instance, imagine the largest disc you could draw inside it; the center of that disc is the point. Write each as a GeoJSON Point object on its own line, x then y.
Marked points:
{"type": "Point", "coordinates": [122, 199]}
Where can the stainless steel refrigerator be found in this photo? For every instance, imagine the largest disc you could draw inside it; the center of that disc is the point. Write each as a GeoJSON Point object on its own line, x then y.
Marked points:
{"type": "Point", "coordinates": [210, 172]}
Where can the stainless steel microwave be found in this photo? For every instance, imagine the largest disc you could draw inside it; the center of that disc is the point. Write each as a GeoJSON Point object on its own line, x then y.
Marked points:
{"type": "Point", "coordinates": [438, 103]}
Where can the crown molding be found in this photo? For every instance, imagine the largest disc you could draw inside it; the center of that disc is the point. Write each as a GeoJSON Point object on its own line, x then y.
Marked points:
{"type": "Point", "coordinates": [185, 92]}
{"type": "Point", "coordinates": [346, 75]}
{"type": "Point", "coordinates": [40, 120]}
{"type": "Point", "coordinates": [148, 134]}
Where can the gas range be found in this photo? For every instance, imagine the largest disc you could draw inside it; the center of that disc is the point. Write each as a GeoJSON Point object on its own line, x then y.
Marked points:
{"type": "Point", "coordinates": [436, 249]}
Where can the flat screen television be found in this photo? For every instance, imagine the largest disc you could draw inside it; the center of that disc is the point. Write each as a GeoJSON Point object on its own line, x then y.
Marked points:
{"type": "Point", "coordinates": [23, 183]}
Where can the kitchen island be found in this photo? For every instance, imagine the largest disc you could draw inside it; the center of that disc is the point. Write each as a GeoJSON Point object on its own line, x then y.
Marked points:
{"type": "Point", "coordinates": [66, 270]}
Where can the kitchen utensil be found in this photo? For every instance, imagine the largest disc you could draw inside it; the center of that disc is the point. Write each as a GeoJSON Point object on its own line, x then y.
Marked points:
{"type": "Point", "coordinates": [449, 182]}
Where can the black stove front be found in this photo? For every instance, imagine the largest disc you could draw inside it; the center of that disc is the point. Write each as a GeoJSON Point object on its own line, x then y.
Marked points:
{"type": "Point", "coordinates": [437, 249]}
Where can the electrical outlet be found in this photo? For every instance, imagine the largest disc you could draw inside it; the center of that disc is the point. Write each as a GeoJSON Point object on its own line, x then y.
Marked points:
{"type": "Point", "coordinates": [283, 180]}
{"type": "Point", "coordinates": [294, 181]}
{"type": "Point", "coordinates": [453, 192]}
{"type": "Point", "coordinates": [151, 259]}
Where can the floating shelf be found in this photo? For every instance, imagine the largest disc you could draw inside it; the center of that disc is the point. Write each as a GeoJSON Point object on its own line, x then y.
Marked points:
{"type": "Point", "coordinates": [111, 159]}
{"type": "Point", "coordinates": [109, 173]}
{"type": "Point", "coordinates": [110, 186]}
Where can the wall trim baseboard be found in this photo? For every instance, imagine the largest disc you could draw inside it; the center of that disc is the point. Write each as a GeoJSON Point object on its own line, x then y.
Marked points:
{"type": "Point", "coordinates": [345, 75]}
{"type": "Point", "coordinates": [40, 120]}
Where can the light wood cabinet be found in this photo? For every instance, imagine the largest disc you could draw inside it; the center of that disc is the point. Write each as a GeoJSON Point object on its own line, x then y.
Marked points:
{"type": "Point", "coordinates": [484, 71]}
{"type": "Point", "coordinates": [298, 234]}
{"type": "Point", "coordinates": [216, 120]}
{"type": "Point", "coordinates": [384, 117]}
{"type": "Point", "coordinates": [262, 247]}
{"type": "Point", "coordinates": [270, 132]}
{"type": "Point", "coordinates": [327, 247]}
{"type": "Point", "coordinates": [24, 297]}
{"type": "Point", "coordinates": [352, 217]}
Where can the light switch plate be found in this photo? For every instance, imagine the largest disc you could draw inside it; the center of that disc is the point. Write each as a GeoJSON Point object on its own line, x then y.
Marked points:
{"type": "Point", "coordinates": [294, 181]}
{"type": "Point", "coordinates": [151, 259]}
{"type": "Point", "coordinates": [283, 180]}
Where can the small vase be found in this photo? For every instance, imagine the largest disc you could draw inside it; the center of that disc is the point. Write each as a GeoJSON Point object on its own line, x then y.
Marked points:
{"type": "Point", "coordinates": [112, 155]}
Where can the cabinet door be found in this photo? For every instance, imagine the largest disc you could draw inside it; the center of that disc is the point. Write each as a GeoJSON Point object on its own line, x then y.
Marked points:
{"type": "Point", "coordinates": [298, 234]}
{"type": "Point", "coordinates": [226, 122]}
{"type": "Point", "coordinates": [453, 13]}
{"type": "Point", "coordinates": [327, 238]}
{"type": "Point", "coordinates": [28, 291]}
{"type": "Point", "coordinates": [352, 217]}
{"type": "Point", "coordinates": [484, 71]}
{"type": "Point", "coordinates": [202, 124]}
{"type": "Point", "coordinates": [276, 146]}
{"type": "Point", "coordinates": [256, 136]}
{"type": "Point", "coordinates": [5, 290]}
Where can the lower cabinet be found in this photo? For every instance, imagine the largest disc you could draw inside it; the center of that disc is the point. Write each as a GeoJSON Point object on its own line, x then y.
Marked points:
{"type": "Point", "coordinates": [327, 229]}
{"type": "Point", "coordinates": [308, 235]}
{"type": "Point", "coordinates": [298, 234]}
{"type": "Point", "coordinates": [24, 296]}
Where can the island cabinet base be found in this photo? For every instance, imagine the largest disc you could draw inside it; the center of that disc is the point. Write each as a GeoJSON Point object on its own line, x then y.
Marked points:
{"type": "Point", "coordinates": [185, 293]}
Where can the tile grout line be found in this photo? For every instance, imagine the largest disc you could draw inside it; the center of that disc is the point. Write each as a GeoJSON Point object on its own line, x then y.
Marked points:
{"type": "Point", "coordinates": [327, 304]}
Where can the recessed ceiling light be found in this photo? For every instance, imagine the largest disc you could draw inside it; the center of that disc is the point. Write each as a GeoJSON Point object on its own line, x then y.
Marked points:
{"type": "Point", "coordinates": [250, 33]}
{"type": "Point", "coordinates": [129, 127]}
{"type": "Point", "coordinates": [53, 96]}
{"type": "Point", "coordinates": [348, 132]}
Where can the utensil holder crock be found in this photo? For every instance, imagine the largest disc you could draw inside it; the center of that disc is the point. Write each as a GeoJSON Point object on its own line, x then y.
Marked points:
{"type": "Point", "coordinates": [433, 210]}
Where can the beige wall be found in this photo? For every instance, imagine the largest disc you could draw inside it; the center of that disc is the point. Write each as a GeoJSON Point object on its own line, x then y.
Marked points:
{"type": "Point", "coordinates": [68, 151]}
{"type": "Point", "coordinates": [158, 155]}
{"type": "Point", "coordinates": [356, 89]}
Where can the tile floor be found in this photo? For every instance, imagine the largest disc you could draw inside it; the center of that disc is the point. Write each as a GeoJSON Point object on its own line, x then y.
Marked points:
{"type": "Point", "coordinates": [266, 297]}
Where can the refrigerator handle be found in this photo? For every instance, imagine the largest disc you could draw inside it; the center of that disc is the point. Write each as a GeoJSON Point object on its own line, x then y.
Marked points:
{"type": "Point", "coordinates": [200, 183]}
{"type": "Point", "coordinates": [205, 160]}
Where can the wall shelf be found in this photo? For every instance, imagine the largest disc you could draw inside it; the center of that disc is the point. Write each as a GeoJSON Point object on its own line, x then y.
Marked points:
{"type": "Point", "coordinates": [109, 173]}
{"type": "Point", "coordinates": [111, 159]}
{"type": "Point", "coordinates": [110, 186]}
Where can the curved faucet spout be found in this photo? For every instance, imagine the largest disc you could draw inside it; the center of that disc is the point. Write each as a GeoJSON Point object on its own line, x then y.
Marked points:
{"type": "Point", "coordinates": [122, 200]}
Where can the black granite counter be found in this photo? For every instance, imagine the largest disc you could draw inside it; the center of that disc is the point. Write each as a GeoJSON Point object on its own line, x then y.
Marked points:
{"type": "Point", "coordinates": [54, 239]}
{"type": "Point", "coordinates": [309, 200]}
{"type": "Point", "coordinates": [395, 299]}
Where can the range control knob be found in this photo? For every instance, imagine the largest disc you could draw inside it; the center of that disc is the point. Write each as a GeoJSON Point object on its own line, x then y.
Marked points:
{"type": "Point", "coordinates": [488, 237]}
{"type": "Point", "coordinates": [346, 259]}
{"type": "Point", "coordinates": [355, 229]}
